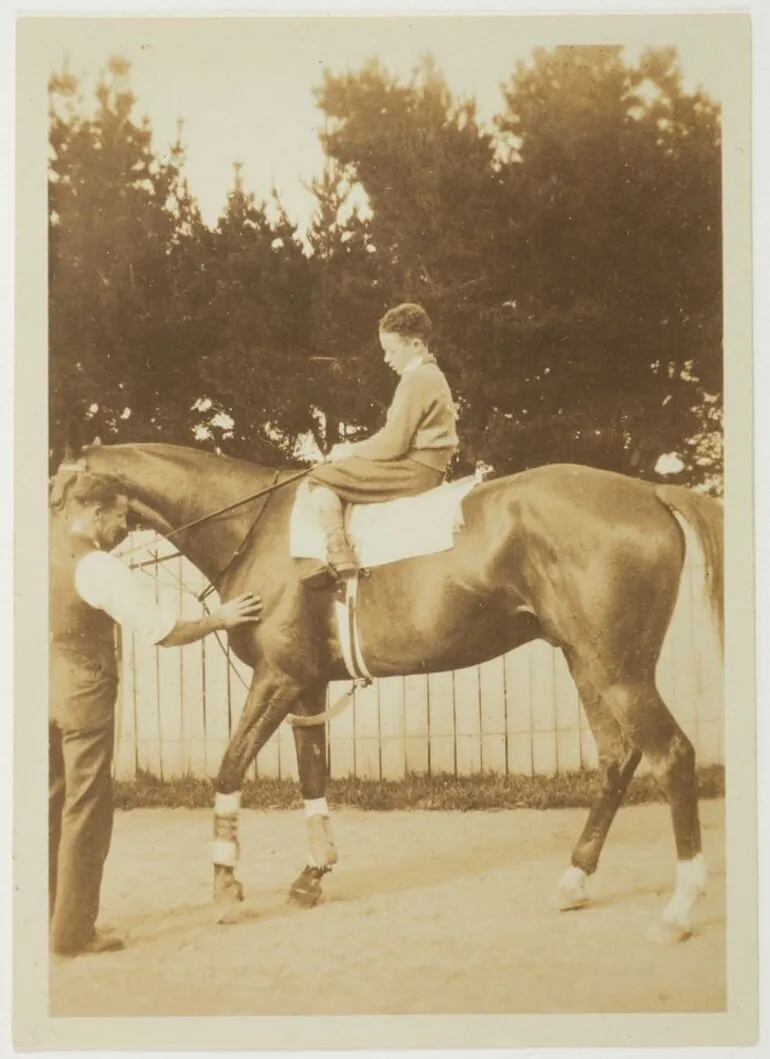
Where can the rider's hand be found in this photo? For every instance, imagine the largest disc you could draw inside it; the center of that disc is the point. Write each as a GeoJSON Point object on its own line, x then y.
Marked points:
{"type": "Point", "coordinates": [242, 610]}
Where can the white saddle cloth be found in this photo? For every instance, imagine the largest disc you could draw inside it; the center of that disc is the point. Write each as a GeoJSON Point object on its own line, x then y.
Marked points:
{"type": "Point", "coordinates": [389, 531]}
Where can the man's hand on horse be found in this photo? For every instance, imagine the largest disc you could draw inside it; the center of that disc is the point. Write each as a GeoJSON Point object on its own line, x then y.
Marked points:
{"type": "Point", "coordinates": [241, 610]}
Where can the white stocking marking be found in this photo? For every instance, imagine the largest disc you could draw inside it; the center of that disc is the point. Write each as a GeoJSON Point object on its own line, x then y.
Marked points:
{"type": "Point", "coordinates": [690, 885]}
{"type": "Point", "coordinates": [573, 884]}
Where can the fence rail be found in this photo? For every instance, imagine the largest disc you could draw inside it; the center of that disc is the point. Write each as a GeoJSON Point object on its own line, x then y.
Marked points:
{"type": "Point", "coordinates": [519, 713]}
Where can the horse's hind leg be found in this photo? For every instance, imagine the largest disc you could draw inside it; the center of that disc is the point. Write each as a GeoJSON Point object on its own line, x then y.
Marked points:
{"type": "Point", "coordinates": [617, 764]}
{"type": "Point", "coordinates": [648, 726]}
{"type": "Point", "coordinates": [671, 755]}
{"type": "Point", "coordinates": [310, 743]}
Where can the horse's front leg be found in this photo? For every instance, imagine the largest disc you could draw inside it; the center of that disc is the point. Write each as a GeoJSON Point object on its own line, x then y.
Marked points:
{"type": "Point", "coordinates": [268, 702]}
{"type": "Point", "coordinates": [310, 743]}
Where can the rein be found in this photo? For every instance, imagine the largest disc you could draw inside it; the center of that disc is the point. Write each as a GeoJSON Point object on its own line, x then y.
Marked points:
{"type": "Point", "coordinates": [240, 503]}
{"type": "Point", "coordinates": [267, 492]}
{"type": "Point", "coordinates": [292, 719]}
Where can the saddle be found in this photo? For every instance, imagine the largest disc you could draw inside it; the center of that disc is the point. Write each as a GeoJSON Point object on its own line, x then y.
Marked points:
{"type": "Point", "coordinates": [373, 535]}
{"type": "Point", "coordinates": [385, 532]}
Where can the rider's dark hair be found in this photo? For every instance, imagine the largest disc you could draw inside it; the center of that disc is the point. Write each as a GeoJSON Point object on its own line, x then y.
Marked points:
{"type": "Point", "coordinates": [408, 320]}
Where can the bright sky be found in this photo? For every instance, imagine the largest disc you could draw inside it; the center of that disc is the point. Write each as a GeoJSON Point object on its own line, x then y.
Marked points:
{"type": "Point", "coordinates": [245, 86]}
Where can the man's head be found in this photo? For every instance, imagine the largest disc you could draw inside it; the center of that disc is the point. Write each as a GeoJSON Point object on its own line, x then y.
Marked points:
{"type": "Point", "coordinates": [404, 334]}
{"type": "Point", "coordinates": [95, 506]}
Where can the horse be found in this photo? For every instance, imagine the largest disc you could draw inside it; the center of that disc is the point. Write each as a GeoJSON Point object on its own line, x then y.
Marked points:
{"type": "Point", "coordinates": [586, 559]}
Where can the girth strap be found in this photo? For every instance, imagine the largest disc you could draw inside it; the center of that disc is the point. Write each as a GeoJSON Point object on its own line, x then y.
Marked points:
{"type": "Point", "coordinates": [350, 638]}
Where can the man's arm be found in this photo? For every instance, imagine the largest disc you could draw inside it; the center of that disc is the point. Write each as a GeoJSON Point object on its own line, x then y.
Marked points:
{"type": "Point", "coordinates": [243, 610]}
{"type": "Point", "coordinates": [106, 583]}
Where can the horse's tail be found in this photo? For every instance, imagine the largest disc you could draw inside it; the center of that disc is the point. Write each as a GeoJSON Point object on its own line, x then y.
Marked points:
{"type": "Point", "coordinates": [705, 516]}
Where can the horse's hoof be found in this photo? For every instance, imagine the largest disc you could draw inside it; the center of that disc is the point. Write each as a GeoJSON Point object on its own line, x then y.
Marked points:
{"type": "Point", "coordinates": [226, 908]}
{"type": "Point", "coordinates": [228, 894]}
{"type": "Point", "coordinates": [664, 933]}
{"type": "Point", "coordinates": [304, 898]}
{"type": "Point", "coordinates": [571, 892]}
{"type": "Point", "coordinates": [306, 889]}
{"type": "Point", "coordinates": [568, 901]}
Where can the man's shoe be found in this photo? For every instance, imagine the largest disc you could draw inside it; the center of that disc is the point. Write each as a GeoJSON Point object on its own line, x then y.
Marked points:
{"type": "Point", "coordinates": [100, 941]}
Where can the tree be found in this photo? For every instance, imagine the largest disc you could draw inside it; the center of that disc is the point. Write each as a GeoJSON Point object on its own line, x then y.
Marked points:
{"type": "Point", "coordinates": [616, 175]}
{"type": "Point", "coordinates": [120, 223]}
{"type": "Point", "coordinates": [571, 261]}
{"type": "Point", "coordinates": [348, 385]}
{"type": "Point", "coordinates": [290, 325]}
{"type": "Point", "coordinates": [570, 258]}
{"type": "Point", "coordinates": [254, 328]}
{"type": "Point", "coordinates": [438, 225]}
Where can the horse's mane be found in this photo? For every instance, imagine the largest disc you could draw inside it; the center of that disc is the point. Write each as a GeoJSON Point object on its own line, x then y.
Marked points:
{"type": "Point", "coordinates": [274, 458]}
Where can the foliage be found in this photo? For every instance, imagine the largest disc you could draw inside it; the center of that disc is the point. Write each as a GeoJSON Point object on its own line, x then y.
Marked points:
{"type": "Point", "coordinates": [569, 254]}
{"type": "Point", "coordinates": [574, 264]}
{"type": "Point", "coordinates": [123, 227]}
{"type": "Point", "coordinates": [485, 791]}
{"type": "Point", "coordinates": [616, 176]}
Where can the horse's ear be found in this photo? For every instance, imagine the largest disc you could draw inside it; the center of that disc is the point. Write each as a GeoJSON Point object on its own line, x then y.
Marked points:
{"type": "Point", "coordinates": [97, 441]}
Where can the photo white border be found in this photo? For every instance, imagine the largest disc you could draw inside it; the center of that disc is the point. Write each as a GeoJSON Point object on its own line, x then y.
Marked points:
{"type": "Point", "coordinates": [463, 1031]}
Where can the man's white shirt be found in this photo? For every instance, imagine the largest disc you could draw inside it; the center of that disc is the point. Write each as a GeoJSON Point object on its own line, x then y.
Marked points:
{"type": "Point", "coordinates": [106, 583]}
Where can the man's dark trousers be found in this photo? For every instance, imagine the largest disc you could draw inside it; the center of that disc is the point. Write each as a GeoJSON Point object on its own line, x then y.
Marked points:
{"type": "Point", "coordinates": [80, 815]}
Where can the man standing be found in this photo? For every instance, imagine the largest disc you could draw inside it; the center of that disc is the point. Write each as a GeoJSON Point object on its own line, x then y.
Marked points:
{"type": "Point", "coordinates": [90, 592]}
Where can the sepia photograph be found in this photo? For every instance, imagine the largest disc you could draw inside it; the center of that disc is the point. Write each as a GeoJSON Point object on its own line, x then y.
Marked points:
{"type": "Point", "coordinates": [388, 384]}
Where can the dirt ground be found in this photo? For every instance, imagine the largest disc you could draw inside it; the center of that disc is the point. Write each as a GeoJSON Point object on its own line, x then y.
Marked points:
{"type": "Point", "coordinates": [426, 913]}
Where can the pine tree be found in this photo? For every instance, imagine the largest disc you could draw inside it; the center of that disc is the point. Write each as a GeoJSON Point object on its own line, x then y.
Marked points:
{"type": "Point", "coordinates": [119, 222]}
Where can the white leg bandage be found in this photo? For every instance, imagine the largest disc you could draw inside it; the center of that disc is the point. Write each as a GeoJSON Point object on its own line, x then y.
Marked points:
{"type": "Point", "coordinates": [322, 852]}
{"type": "Point", "coordinates": [224, 849]}
{"type": "Point", "coordinates": [225, 804]}
{"type": "Point", "coordinates": [316, 807]}
{"type": "Point", "coordinates": [225, 854]}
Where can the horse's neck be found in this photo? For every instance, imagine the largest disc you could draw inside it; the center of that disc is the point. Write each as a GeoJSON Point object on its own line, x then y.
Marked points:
{"type": "Point", "coordinates": [185, 492]}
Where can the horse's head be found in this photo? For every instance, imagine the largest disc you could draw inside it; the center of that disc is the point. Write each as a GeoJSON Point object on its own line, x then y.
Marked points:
{"type": "Point", "coordinates": [170, 486]}
{"type": "Point", "coordinates": [110, 463]}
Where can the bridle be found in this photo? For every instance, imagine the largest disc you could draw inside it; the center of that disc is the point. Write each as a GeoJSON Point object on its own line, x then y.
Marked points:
{"type": "Point", "coordinates": [81, 466]}
{"type": "Point", "coordinates": [293, 720]}
{"type": "Point", "coordinates": [266, 493]}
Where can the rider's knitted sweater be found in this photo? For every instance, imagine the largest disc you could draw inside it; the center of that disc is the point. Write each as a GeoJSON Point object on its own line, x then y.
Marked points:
{"type": "Point", "coordinates": [420, 423]}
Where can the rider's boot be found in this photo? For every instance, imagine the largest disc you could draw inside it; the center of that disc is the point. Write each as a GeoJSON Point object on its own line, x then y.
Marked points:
{"type": "Point", "coordinates": [340, 557]}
